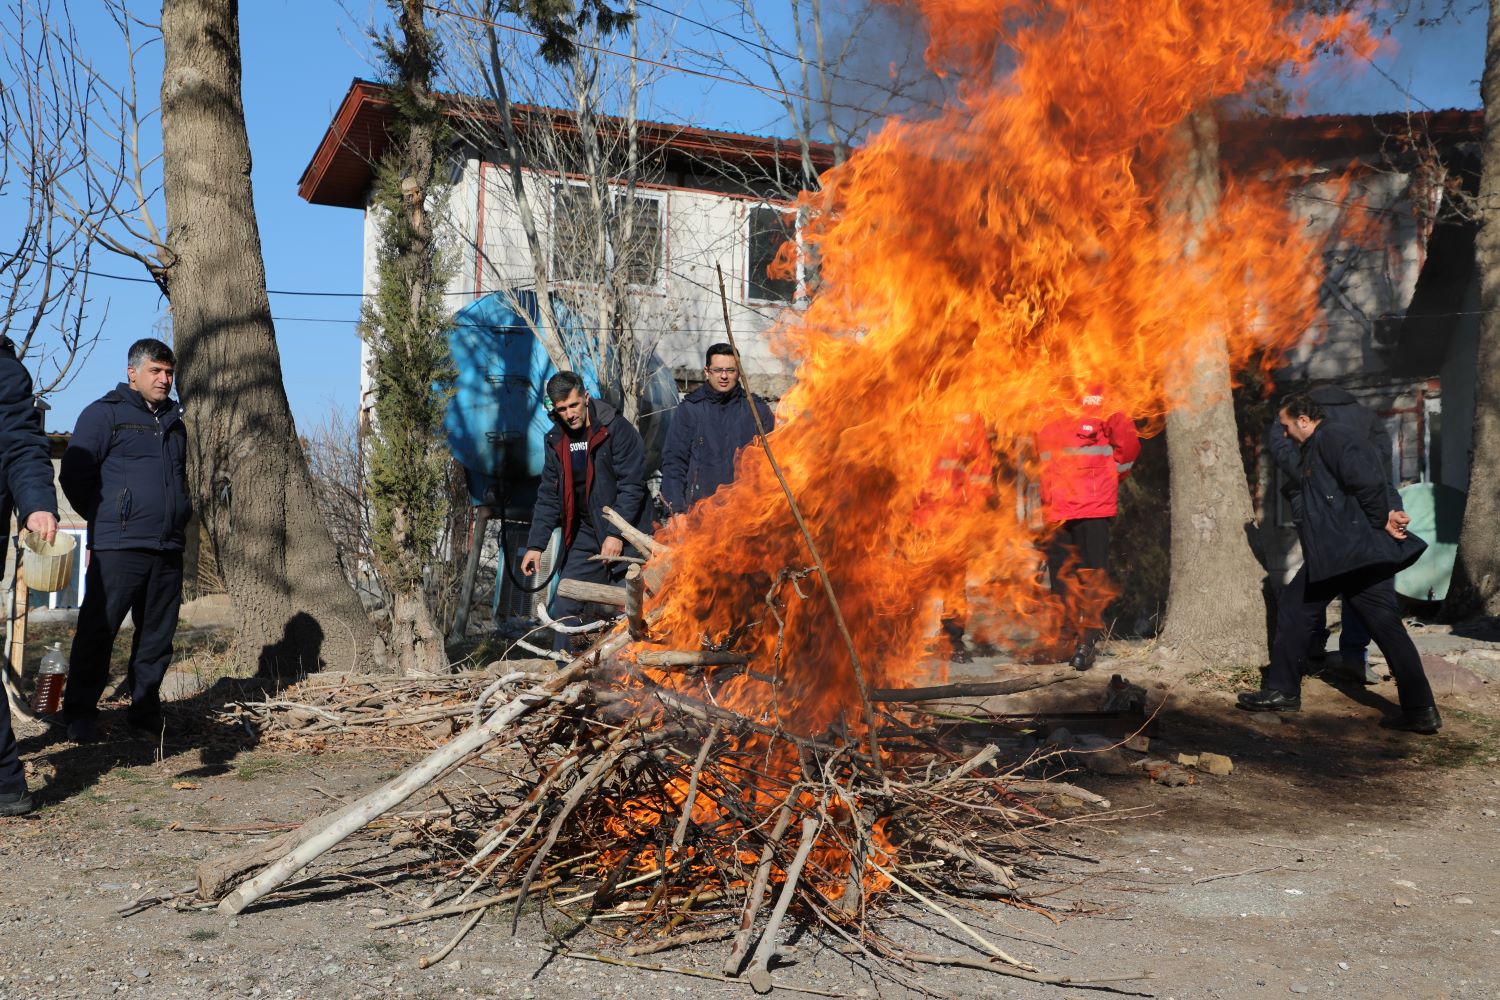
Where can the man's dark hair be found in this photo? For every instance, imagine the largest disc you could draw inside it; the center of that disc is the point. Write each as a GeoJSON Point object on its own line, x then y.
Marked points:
{"type": "Point", "coordinates": [562, 385]}
{"type": "Point", "coordinates": [1300, 404]}
{"type": "Point", "coordinates": [717, 351]}
{"type": "Point", "coordinates": [149, 349]}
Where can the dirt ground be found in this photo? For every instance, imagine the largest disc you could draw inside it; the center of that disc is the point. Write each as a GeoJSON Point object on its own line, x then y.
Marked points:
{"type": "Point", "coordinates": [1337, 860]}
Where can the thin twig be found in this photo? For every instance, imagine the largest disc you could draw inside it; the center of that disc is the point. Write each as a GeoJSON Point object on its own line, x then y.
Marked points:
{"type": "Point", "coordinates": [1247, 871]}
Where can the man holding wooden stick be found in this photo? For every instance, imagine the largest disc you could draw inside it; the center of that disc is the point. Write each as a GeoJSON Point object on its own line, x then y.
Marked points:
{"type": "Point", "coordinates": [594, 459]}
{"type": "Point", "coordinates": [27, 475]}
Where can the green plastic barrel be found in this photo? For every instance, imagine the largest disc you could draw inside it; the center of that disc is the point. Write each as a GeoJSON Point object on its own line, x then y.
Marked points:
{"type": "Point", "coordinates": [1437, 513]}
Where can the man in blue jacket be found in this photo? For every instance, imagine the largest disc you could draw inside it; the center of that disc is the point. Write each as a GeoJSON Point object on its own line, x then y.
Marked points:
{"type": "Point", "coordinates": [1353, 543]}
{"type": "Point", "coordinates": [593, 459]}
{"type": "Point", "coordinates": [1339, 407]}
{"type": "Point", "coordinates": [125, 470]}
{"type": "Point", "coordinates": [709, 427]}
{"type": "Point", "coordinates": [26, 472]}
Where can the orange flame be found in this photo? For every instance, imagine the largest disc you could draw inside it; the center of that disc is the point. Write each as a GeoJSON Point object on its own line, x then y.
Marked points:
{"type": "Point", "coordinates": [1036, 232]}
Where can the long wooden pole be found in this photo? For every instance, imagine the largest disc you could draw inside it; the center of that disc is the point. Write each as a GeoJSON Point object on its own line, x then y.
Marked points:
{"type": "Point", "coordinates": [361, 812]}
{"type": "Point", "coordinates": [812, 547]}
{"type": "Point", "coordinates": [16, 653]}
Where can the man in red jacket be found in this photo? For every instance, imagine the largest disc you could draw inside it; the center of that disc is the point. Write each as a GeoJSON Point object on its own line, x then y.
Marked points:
{"type": "Point", "coordinates": [1084, 455]}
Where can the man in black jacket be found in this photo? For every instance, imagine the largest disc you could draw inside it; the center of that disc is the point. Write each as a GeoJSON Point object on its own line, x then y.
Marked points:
{"type": "Point", "coordinates": [1341, 408]}
{"type": "Point", "coordinates": [27, 475]}
{"type": "Point", "coordinates": [709, 427]}
{"type": "Point", "coordinates": [594, 459]}
{"type": "Point", "coordinates": [1353, 544]}
{"type": "Point", "coordinates": [125, 470]}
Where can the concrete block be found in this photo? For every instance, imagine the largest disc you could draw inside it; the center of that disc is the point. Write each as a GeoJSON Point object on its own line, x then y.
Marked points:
{"type": "Point", "coordinates": [1449, 679]}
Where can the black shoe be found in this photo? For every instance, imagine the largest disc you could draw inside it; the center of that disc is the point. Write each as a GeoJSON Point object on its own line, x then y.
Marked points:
{"type": "Point", "coordinates": [83, 730]}
{"type": "Point", "coordinates": [15, 803]}
{"type": "Point", "coordinates": [1424, 720]}
{"type": "Point", "coordinates": [1083, 656]}
{"type": "Point", "coordinates": [1269, 700]}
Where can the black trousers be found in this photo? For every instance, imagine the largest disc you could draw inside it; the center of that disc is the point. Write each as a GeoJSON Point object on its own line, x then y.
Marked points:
{"type": "Point", "coordinates": [12, 774]}
{"type": "Point", "coordinates": [578, 566]}
{"type": "Point", "coordinates": [145, 584]}
{"type": "Point", "coordinates": [1086, 541]}
{"type": "Point", "coordinates": [1372, 595]}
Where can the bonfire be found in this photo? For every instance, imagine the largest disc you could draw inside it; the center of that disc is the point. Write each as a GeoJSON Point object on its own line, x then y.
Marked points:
{"type": "Point", "coordinates": [744, 747]}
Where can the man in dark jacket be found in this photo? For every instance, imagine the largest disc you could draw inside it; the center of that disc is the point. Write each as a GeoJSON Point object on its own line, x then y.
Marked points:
{"type": "Point", "coordinates": [1342, 409]}
{"type": "Point", "coordinates": [594, 459]}
{"type": "Point", "coordinates": [27, 475]}
{"type": "Point", "coordinates": [125, 470]}
{"type": "Point", "coordinates": [1353, 544]}
{"type": "Point", "coordinates": [710, 426]}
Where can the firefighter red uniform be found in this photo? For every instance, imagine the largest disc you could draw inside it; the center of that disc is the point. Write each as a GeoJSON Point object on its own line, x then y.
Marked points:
{"type": "Point", "coordinates": [1084, 455]}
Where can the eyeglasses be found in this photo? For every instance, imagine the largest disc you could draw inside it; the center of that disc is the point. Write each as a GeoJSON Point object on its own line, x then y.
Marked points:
{"type": "Point", "coordinates": [722, 371]}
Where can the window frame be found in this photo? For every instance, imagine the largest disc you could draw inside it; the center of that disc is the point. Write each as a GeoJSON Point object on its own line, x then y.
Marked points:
{"type": "Point", "coordinates": [616, 193]}
{"type": "Point", "coordinates": [794, 236]}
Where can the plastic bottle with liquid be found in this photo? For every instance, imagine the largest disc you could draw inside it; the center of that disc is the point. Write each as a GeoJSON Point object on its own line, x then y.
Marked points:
{"type": "Point", "coordinates": [50, 678]}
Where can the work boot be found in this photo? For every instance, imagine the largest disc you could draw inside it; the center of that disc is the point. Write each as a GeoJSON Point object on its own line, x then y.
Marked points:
{"type": "Point", "coordinates": [1424, 720]}
{"type": "Point", "coordinates": [15, 803]}
{"type": "Point", "coordinates": [1083, 656]}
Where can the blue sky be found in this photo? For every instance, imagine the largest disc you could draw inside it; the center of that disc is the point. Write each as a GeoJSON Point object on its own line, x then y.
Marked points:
{"type": "Point", "coordinates": [299, 58]}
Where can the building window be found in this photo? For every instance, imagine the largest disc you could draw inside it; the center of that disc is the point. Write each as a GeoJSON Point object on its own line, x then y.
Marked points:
{"type": "Point", "coordinates": [577, 232]}
{"type": "Point", "coordinates": [575, 235]}
{"type": "Point", "coordinates": [640, 255]}
{"type": "Point", "coordinates": [770, 228]}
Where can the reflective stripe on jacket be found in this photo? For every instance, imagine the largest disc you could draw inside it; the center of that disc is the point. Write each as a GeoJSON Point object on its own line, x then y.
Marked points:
{"type": "Point", "coordinates": [1083, 458]}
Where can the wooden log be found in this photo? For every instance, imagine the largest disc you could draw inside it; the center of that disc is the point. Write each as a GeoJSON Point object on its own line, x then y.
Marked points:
{"type": "Point", "coordinates": [635, 596]}
{"type": "Point", "coordinates": [643, 542]}
{"type": "Point", "coordinates": [592, 593]}
{"type": "Point", "coordinates": [978, 689]}
{"type": "Point", "coordinates": [358, 814]}
{"type": "Point", "coordinates": [760, 966]}
{"type": "Point", "coordinates": [690, 658]}
{"type": "Point", "coordinates": [742, 935]}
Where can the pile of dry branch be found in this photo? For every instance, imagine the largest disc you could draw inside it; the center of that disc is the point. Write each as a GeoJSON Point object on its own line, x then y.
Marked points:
{"type": "Point", "coordinates": [667, 820]}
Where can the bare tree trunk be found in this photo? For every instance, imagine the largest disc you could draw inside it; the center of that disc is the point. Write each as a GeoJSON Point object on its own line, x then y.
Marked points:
{"type": "Point", "coordinates": [406, 456]}
{"type": "Point", "coordinates": [248, 473]}
{"type": "Point", "coordinates": [1215, 608]}
{"type": "Point", "coordinates": [1475, 588]}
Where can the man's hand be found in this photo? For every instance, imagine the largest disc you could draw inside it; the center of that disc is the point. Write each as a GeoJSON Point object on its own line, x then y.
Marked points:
{"type": "Point", "coordinates": [611, 546]}
{"type": "Point", "coordinates": [531, 562]}
{"type": "Point", "coordinates": [1395, 524]}
{"type": "Point", "coordinates": [43, 524]}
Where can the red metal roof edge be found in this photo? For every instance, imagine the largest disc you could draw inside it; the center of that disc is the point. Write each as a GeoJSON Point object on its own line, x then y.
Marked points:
{"type": "Point", "coordinates": [366, 104]}
{"type": "Point", "coordinates": [1255, 138]}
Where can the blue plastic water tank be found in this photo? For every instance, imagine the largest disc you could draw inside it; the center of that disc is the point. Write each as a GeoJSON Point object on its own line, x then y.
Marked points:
{"type": "Point", "coordinates": [499, 412]}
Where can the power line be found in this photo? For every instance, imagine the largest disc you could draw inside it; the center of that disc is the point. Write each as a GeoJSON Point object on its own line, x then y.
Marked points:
{"type": "Point", "coordinates": [772, 50]}
{"type": "Point", "coordinates": [672, 67]}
